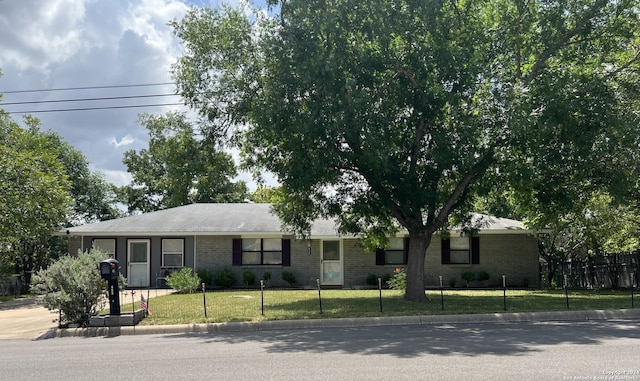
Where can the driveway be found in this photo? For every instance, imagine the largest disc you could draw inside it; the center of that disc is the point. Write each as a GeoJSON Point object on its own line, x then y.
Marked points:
{"type": "Point", "coordinates": [24, 319]}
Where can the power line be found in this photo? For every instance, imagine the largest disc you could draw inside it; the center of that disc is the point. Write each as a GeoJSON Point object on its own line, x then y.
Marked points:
{"type": "Point", "coordinates": [95, 108]}
{"type": "Point", "coordinates": [88, 99]}
{"type": "Point", "coordinates": [87, 88]}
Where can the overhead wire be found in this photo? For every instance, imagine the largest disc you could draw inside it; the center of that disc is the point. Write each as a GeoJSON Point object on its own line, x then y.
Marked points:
{"type": "Point", "coordinates": [92, 99]}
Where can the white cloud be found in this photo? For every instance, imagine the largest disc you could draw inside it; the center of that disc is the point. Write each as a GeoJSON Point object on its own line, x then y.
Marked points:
{"type": "Point", "coordinates": [53, 44]}
{"type": "Point", "coordinates": [125, 141]}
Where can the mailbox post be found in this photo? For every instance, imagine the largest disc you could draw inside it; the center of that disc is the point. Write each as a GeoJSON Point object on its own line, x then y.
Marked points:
{"type": "Point", "coordinates": [110, 270]}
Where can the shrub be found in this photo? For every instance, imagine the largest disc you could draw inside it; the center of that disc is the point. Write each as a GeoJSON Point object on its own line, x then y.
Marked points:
{"type": "Point", "coordinates": [372, 280]}
{"type": "Point", "coordinates": [184, 281]}
{"type": "Point", "coordinates": [249, 277]}
{"type": "Point", "coordinates": [73, 285]}
{"type": "Point", "coordinates": [398, 281]}
{"type": "Point", "coordinates": [266, 276]}
{"type": "Point", "coordinates": [205, 276]}
{"type": "Point", "coordinates": [452, 282]}
{"type": "Point", "coordinates": [385, 279]}
{"type": "Point", "coordinates": [224, 278]}
{"type": "Point", "coordinates": [483, 276]}
{"type": "Point", "coordinates": [288, 277]}
{"type": "Point", "coordinates": [468, 276]}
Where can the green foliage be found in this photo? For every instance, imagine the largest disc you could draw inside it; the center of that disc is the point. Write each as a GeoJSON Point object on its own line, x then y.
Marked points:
{"type": "Point", "coordinates": [289, 277]}
{"type": "Point", "coordinates": [449, 99]}
{"type": "Point", "coordinates": [468, 277]}
{"type": "Point", "coordinates": [483, 276]}
{"type": "Point", "coordinates": [249, 277]}
{"type": "Point", "coordinates": [184, 281]}
{"type": "Point", "coordinates": [72, 285]}
{"type": "Point", "coordinates": [224, 278]}
{"type": "Point", "coordinates": [266, 276]}
{"type": "Point", "coordinates": [178, 168]}
{"type": "Point", "coordinates": [452, 282]}
{"type": "Point", "coordinates": [398, 281]}
{"type": "Point", "coordinates": [266, 195]}
{"type": "Point", "coordinates": [372, 280]}
{"type": "Point", "coordinates": [205, 276]}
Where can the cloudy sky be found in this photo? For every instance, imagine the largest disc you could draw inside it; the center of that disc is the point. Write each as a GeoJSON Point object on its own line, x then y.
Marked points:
{"type": "Point", "coordinates": [112, 47]}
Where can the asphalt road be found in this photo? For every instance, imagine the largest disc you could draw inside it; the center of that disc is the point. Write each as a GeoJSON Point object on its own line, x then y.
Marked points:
{"type": "Point", "coordinates": [490, 351]}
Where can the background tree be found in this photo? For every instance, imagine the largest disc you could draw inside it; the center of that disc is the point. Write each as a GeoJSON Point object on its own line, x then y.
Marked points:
{"type": "Point", "coordinates": [266, 195]}
{"type": "Point", "coordinates": [389, 114]}
{"type": "Point", "coordinates": [34, 198]}
{"type": "Point", "coordinates": [178, 168]}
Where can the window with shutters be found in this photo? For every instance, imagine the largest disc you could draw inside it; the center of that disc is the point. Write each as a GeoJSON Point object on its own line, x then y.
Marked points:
{"type": "Point", "coordinates": [395, 253]}
{"type": "Point", "coordinates": [460, 250]}
{"type": "Point", "coordinates": [261, 251]}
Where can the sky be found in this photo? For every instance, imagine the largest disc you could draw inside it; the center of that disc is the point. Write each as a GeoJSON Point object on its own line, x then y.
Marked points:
{"type": "Point", "coordinates": [112, 47]}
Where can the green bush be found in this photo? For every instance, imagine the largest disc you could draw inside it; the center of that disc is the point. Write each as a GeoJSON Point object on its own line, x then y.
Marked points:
{"type": "Point", "coordinates": [483, 276]}
{"type": "Point", "coordinates": [184, 281]}
{"type": "Point", "coordinates": [386, 278]}
{"type": "Point", "coordinates": [288, 277]}
{"type": "Point", "coordinates": [452, 282]}
{"type": "Point", "coordinates": [205, 276]}
{"type": "Point", "coordinates": [224, 278]}
{"type": "Point", "coordinates": [398, 281]}
{"type": "Point", "coordinates": [468, 277]}
{"type": "Point", "coordinates": [249, 277]}
{"type": "Point", "coordinates": [372, 280]}
{"type": "Point", "coordinates": [266, 276]}
{"type": "Point", "coordinates": [73, 286]}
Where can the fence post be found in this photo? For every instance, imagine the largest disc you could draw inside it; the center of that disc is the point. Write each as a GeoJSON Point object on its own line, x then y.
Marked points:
{"type": "Point", "coordinates": [633, 280]}
{"type": "Point", "coordinates": [204, 299]}
{"type": "Point", "coordinates": [262, 296]}
{"type": "Point", "coordinates": [504, 292]}
{"type": "Point", "coordinates": [319, 295]}
{"type": "Point", "coordinates": [441, 294]}
{"type": "Point", "coordinates": [380, 290]}
{"type": "Point", "coordinates": [566, 290]}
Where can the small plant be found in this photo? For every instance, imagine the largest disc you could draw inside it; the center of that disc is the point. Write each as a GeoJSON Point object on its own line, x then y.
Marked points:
{"type": "Point", "coordinates": [483, 276]}
{"type": "Point", "coordinates": [398, 281]}
{"type": "Point", "coordinates": [372, 280]}
{"type": "Point", "coordinates": [452, 282]}
{"type": "Point", "coordinates": [249, 278]}
{"type": "Point", "coordinates": [468, 277]}
{"type": "Point", "coordinates": [205, 276]}
{"type": "Point", "coordinates": [183, 281]}
{"type": "Point", "coordinates": [266, 276]}
{"type": "Point", "coordinates": [385, 279]}
{"type": "Point", "coordinates": [288, 277]}
{"type": "Point", "coordinates": [224, 278]}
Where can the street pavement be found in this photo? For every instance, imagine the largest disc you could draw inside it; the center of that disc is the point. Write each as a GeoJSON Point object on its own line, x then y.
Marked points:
{"type": "Point", "coordinates": [24, 319]}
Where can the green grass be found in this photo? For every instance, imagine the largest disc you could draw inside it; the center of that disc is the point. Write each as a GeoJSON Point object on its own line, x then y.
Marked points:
{"type": "Point", "coordinates": [6, 298]}
{"type": "Point", "coordinates": [243, 306]}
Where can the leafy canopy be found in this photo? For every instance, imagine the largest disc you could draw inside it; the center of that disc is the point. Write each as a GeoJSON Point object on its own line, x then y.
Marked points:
{"type": "Point", "coordinates": [391, 114]}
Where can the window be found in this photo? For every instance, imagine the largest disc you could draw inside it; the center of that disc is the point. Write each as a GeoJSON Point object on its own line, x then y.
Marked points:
{"type": "Point", "coordinates": [172, 252]}
{"type": "Point", "coordinates": [460, 250]}
{"type": "Point", "coordinates": [107, 245]}
{"type": "Point", "coordinates": [394, 254]}
{"type": "Point", "coordinates": [261, 251]}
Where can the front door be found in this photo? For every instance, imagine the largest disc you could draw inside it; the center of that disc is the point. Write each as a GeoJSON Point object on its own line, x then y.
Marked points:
{"type": "Point", "coordinates": [138, 261]}
{"type": "Point", "coordinates": [332, 263]}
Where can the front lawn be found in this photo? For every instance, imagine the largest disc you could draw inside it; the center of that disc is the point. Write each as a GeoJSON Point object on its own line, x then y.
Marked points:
{"type": "Point", "coordinates": [240, 306]}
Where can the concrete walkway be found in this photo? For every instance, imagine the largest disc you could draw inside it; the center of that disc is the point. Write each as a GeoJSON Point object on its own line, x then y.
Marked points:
{"type": "Point", "coordinates": [25, 319]}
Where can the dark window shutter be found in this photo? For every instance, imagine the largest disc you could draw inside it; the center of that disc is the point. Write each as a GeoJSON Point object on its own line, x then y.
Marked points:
{"type": "Point", "coordinates": [237, 252]}
{"type": "Point", "coordinates": [380, 257]}
{"type": "Point", "coordinates": [406, 250]}
{"type": "Point", "coordinates": [286, 252]}
{"type": "Point", "coordinates": [475, 250]}
{"type": "Point", "coordinates": [445, 249]}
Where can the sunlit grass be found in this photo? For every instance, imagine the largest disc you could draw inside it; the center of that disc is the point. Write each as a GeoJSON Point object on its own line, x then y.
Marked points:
{"type": "Point", "coordinates": [243, 306]}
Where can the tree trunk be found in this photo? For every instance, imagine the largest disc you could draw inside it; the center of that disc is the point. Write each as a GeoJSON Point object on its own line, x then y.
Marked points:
{"type": "Point", "coordinates": [418, 245]}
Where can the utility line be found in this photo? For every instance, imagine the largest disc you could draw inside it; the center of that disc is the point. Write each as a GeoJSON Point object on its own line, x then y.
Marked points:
{"type": "Point", "coordinates": [87, 88]}
{"type": "Point", "coordinates": [87, 99]}
{"type": "Point", "coordinates": [95, 108]}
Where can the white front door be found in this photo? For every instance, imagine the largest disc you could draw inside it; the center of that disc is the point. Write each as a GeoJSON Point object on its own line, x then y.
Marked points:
{"type": "Point", "coordinates": [138, 261]}
{"type": "Point", "coordinates": [332, 263]}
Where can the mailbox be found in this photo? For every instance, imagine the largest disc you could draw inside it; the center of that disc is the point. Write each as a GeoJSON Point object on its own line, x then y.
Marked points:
{"type": "Point", "coordinates": [109, 269]}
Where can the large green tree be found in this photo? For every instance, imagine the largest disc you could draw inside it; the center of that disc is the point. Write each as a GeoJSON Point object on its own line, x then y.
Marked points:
{"type": "Point", "coordinates": [178, 168]}
{"type": "Point", "coordinates": [34, 198]}
{"type": "Point", "coordinates": [393, 114]}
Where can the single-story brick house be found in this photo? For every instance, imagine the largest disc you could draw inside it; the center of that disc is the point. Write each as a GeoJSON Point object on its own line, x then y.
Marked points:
{"type": "Point", "coordinates": [245, 237]}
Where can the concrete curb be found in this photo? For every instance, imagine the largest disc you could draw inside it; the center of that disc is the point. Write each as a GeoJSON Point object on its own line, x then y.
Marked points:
{"type": "Point", "coordinates": [513, 317]}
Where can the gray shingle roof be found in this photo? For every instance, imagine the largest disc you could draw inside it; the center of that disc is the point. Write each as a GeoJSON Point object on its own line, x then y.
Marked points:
{"type": "Point", "coordinates": [231, 219]}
